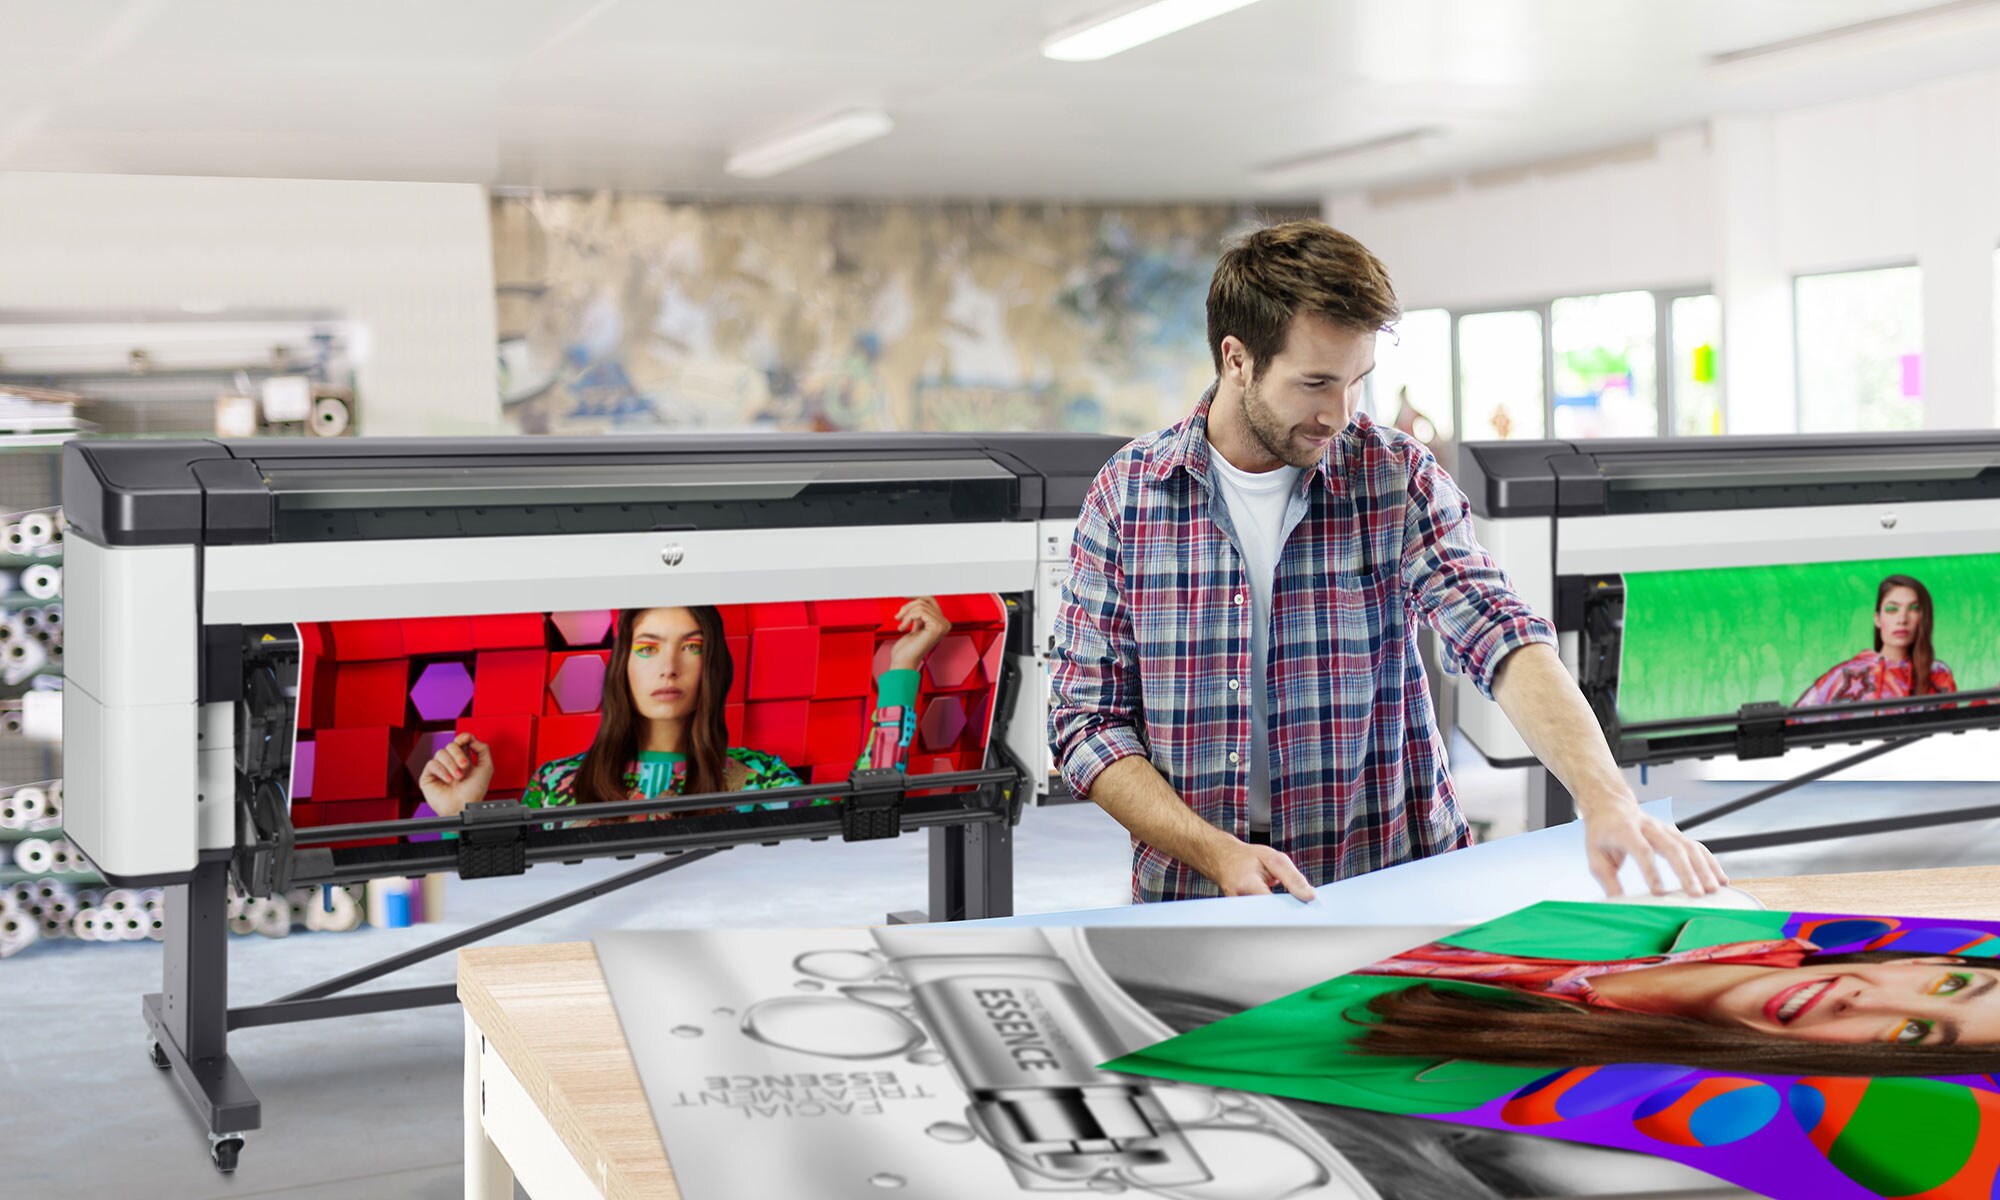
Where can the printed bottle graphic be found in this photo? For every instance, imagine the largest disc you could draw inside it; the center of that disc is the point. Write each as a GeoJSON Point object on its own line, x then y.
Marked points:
{"type": "Point", "coordinates": [1024, 1040]}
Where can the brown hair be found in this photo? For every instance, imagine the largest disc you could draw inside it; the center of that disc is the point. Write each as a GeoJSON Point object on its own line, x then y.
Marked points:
{"type": "Point", "coordinates": [1922, 656]}
{"type": "Point", "coordinates": [1513, 1029]}
{"type": "Point", "coordinates": [601, 777]}
{"type": "Point", "coordinates": [1266, 278]}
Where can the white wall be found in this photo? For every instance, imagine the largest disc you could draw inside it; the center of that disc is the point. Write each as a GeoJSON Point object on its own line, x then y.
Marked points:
{"type": "Point", "coordinates": [1629, 224]}
{"type": "Point", "coordinates": [410, 263]}
{"type": "Point", "coordinates": [1745, 205]}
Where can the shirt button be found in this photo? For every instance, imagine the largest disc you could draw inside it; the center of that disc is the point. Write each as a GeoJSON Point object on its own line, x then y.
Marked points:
{"type": "Point", "coordinates": [1234, 685]}
{"type": "Point", "coordinates": [1239, 597]}
{"type": "Point", "coordinates": [1232, 756]}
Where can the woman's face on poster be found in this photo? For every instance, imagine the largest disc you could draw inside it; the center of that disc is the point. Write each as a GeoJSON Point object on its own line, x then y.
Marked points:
{"type": "Point", "coordinates": [1918, 1001]}
{"type": "Point", "coordinates": [664, 668]}
{"type": "Point", "coordinates": [1897, 618]}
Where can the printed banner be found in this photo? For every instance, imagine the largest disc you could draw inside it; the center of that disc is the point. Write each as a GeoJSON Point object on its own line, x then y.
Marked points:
{"type": "Point", "coordinates": [961, 1063]}
{"type": "Point", "coordinates": [1797, 1054]}
{"type": "Point", "coordinates": [1705, 642]}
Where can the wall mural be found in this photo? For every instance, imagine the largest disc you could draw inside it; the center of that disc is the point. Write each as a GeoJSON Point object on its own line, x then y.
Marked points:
{"type": "Point", "coordinates": [641, 314]}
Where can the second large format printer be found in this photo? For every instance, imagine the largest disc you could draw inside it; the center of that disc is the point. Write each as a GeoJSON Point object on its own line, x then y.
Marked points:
{"type": "Point", "coordinates": [1567, 520]}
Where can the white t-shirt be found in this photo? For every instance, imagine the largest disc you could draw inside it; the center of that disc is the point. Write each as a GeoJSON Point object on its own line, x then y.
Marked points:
{"type": "Point", "coordinates": [1257, 504]}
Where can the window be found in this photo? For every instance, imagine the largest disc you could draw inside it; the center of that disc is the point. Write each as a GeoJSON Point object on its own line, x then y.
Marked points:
{"type": "Point", "coordinates": [1604, 366]}
{"type": "Point", "coordinates": [1500, 375]}
{"type": "Point", "coordinates": [1697, 334]}
{"type": "Point", "coordinates": [1860, 351]}
{"type": "Point", "coordinates": [1415, 358]}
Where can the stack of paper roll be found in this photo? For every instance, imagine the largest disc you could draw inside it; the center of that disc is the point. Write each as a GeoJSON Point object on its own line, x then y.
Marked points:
{"type": "Point", "coordinates": [49, 856]}
{"type": "Point", "coordinates": [329, 910]}
{"type": "Point", "coordinates": [53, 909]}
{"type": "Point", "coordinates": [31, 639]}
{"type": "Point", "coordinates": [33, 533]}
{"type": "Point", "coordinates": [33, 807]}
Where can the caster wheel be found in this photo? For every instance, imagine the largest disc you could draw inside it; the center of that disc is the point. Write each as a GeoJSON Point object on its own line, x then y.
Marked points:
{"type": "Point", "coordinates": [224, 1151]}
{"type": "Point", "coordinates": [158, 1055]}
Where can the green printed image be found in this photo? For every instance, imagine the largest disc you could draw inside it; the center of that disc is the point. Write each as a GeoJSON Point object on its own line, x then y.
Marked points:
{"type": "Point", "coordinates": [1704, 642]}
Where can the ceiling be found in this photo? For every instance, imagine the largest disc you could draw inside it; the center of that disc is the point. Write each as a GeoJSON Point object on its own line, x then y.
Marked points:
{"type": "Point", "coordinates": [651, 94]}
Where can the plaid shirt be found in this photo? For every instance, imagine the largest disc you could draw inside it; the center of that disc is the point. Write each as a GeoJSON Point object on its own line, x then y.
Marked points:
{"type": "Point", "coordinates": [1153, 639]}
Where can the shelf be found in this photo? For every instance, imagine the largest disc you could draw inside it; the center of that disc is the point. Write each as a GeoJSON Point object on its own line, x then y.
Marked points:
{"type": "Point", "coordinates": [20, 835]}
{"type": "Point", "coordinates": [12, 875]}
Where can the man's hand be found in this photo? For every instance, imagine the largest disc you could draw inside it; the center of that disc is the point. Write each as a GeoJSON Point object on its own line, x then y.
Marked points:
{"type": "Point", "coordinates": [1615, 832]}
{"type": "Point", "coordinates": [1242, 869]}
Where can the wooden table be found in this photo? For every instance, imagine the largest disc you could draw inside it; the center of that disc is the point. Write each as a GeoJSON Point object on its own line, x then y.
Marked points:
{"type": "Point", "coordinates": [552, 1097]}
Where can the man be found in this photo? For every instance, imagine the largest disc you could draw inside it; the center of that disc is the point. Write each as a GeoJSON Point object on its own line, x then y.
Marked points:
{"type": "Point", "coordinates": [1236, 676]}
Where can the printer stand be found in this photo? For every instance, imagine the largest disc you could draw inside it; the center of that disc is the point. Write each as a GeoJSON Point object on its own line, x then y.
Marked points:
{"type": "Point", "coordinates": [189, 1019]}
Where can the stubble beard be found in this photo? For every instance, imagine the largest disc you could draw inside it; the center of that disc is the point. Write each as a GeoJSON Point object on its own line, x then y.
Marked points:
{"type": "Point", "coordinates": [1274, 435]}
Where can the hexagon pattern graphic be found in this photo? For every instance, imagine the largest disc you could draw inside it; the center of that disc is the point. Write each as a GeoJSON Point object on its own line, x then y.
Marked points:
{"type": "Point", "coordinates": [943, 721]}
{"type": "Point", "coordinates": [442, 691]}
{"type": "Point", "coordinates": [578, 685]}
{"type": "Point", "coordinates": [584, 628]}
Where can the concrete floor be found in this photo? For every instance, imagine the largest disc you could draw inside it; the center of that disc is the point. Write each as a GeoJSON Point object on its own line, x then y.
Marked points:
{"type": "Point", "coordinates": [370, 1105]}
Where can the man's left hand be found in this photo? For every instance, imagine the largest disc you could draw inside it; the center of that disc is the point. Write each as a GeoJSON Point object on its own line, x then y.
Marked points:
{"type": "Point", "coordinates": [1620, 831]}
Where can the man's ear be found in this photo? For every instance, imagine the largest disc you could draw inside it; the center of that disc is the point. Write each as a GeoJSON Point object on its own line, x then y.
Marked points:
{"type": "Point", "coordinates": [1236, 364]}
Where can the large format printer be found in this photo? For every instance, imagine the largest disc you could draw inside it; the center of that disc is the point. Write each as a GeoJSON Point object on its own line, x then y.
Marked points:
{"type": "Point", "coordinates": [190, 562]}
{"type": "Point", "coordinates": [1567, 520]}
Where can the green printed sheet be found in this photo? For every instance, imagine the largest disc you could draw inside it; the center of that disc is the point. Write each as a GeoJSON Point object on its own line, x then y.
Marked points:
{"type": "Point", "coordinates": [1710, 641]}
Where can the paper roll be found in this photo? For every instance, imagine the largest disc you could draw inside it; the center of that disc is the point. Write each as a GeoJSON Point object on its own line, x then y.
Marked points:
{"type": "Point", "coordinates": [38, 529]}
{"type": "Point", "coordinates": [34, 855]}
{"type": "Point", "coordinates": [14, 538]}
{"type": "Point", "coordinates": [55, 791]}
{"type": "Point", "coordinates": [52, 616]}
{"type": "Point", "coordinates": [275, 920]}
{"type": "Point", "coordinates": [156, 928]}
{"type": "Point", "coordinates": [245, 921]}
{"type": "Point", "coordinates": [10, 722]}
{"type": "Point", "coordinates": [329, 416]}
{"type": "Point", "coordinates": [84, 924]}
{"type": "Point", "coordinates": [30, 802]}
{"type": "Point", "coordinates": [30, 619]}
{"type": "Point", "coordinates": [42, 581]}
{"type": "Point", "coordinates": [132, 926]}
{"type": "Point", "coordinates": [23, 657]}
{"type": "Point", "coordinates": [120, 899]}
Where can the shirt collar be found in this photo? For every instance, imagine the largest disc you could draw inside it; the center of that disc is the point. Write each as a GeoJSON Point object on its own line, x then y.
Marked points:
{"type": "Point", "coordinates": [1187, 448]}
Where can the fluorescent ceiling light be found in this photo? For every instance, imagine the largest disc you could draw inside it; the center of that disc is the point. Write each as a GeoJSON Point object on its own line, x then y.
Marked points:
{"type": "Point", "coordinates": [1390, 152]}
{"type": "Point", "coordinates": [1956, 19]}
{"type": "Point", "coordinates": [1105, 36]}
{"type": "Point", "coordinates": [769, 156]}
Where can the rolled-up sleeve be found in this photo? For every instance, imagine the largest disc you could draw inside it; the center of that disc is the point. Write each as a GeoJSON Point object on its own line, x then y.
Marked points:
{"type": "Point", "coordinates": [1455, 586]}
{"type": "Point", "coordinates": [1094, 665]}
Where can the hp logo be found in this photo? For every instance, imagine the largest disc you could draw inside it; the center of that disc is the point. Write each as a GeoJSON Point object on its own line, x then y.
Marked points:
{"type": "Point", "coordinates": [672, 555]}
{"type": "Point", "coordinates": [1888, 520]}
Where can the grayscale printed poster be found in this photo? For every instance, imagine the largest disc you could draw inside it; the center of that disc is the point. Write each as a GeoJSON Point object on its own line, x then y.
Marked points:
{"type": "Point", "coordinates": [942, 1063]}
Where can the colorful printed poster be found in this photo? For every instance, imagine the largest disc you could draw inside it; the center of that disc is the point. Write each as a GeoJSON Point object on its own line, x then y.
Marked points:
{"type": "Point", "coordinates": [1703, 642]}
{"type": "Point", "coordinates": [961, 1063]}
{"type": "Point", "coordinates": [1796, 1054]}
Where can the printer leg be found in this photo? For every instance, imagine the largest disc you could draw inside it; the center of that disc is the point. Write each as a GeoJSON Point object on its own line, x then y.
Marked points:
{"type": "Point", "coordinates": [189, 1019]}
{"type": "Point", "coordinates": [1549, 802]}
{"type": "Point", "coordinates": [972, 871]}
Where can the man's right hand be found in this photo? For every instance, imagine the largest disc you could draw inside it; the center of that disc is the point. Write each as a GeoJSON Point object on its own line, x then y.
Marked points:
{"type": "Point", "coordinates": [1243, 869]}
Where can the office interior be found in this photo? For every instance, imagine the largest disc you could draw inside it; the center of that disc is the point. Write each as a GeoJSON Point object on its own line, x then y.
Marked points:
{"type": "Point", "coordinates": [1690, 250]}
